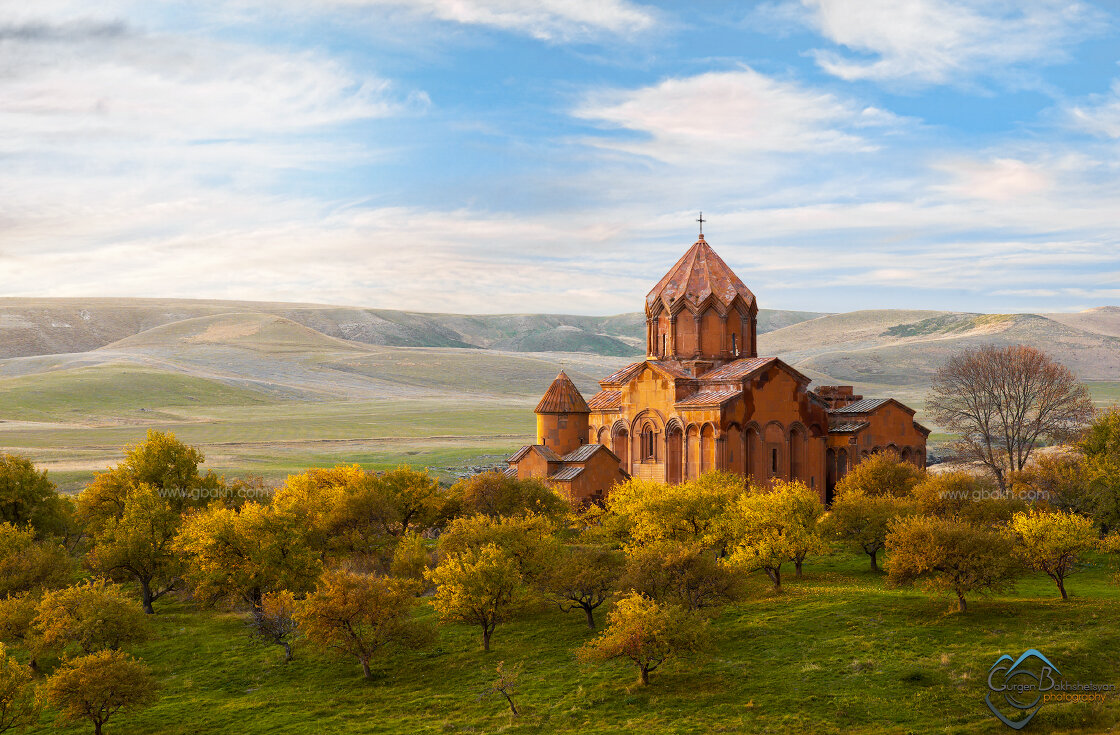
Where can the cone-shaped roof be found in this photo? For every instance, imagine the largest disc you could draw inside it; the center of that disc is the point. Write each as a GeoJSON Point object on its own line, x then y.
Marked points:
{"type": "Point", "coordinates": [562, 397]}
{"type": "Point", "coordinates": [698, 274]}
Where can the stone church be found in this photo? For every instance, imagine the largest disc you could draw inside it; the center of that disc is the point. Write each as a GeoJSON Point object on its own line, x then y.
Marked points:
{"type": "Point", "coordinates": [703, 399]}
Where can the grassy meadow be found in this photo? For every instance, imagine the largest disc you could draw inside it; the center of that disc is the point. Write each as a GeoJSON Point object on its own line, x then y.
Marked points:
{"type": "Point", "coordinates": [835, 652]}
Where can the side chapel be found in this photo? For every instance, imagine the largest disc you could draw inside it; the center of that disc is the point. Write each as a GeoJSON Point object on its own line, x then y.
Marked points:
{"type": "Point", "coordinates": [703, 399]}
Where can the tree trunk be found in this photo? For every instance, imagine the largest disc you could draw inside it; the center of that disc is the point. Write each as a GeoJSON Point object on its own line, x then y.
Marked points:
{"type": "Point", "coordinates": [962, 606]}
{"type": "Point", "coordinates": [512, 707]}
{"type": "Point", "coordinates": [590, 617]}
{"type": "Point", "coordinates": [97, 727]}
{"type": "Point", "coordinates": [874, 563]}
{"type": "Point", "coordinates": [645, 674]}
{"type": "Point", "coordinates": [797, 567]}
{"type": "Point", "coordinates": [486, 639]}
{"type": "Point", "coordinates": [146, 597]}
{"type": "Point", "coordinates": [1062, 588]}
{"type": "Point", "coordinates": [287, 651]}
{"type": "Point", "coordinates": [365, 669]}
{"type": "Point", "coordinates": [775, 577]}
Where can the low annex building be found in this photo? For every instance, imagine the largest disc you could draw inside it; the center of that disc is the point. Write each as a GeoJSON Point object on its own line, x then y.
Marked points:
{"type": "Point", "coordinates": [703, 400]}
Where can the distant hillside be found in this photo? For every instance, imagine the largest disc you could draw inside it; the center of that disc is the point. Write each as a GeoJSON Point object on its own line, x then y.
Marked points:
{"type": "Point", "coordinates": [62, 326]}
{"type": "Point", "coordinates": [904, 348]}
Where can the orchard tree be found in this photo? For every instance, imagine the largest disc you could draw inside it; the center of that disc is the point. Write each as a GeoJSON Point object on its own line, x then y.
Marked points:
{"type": "Point", "coordinates": [163, 463]}
{"type": "Point", "coordinates": [688, 575]}
{"type": "Point", "coordinates": [863, 521]}
{"type": "Point", "coordinates": [136, 545]}
{"type": "Point", "coordinates": [480, 587]}
{"type": "Point", "coordinates": [527, 539]}
{"type": "Point", "coordinates": [690, 512]}
{"type": "Point", "coordinates": [582, 577]}
{"type": "Point", "coordinates": [29, 498]}
{"type": "Point", "coordinates": [97, 686]}
{"type": "Point", "coordinates": [359, 615]}
{"type": "Point", "coordinates": [1101, 449]}
{"type": "Point", "coordinates": [30, 564]}
{"type": "Point", "coordinates": [777, 525]}
{"type": "Point", "coordinates": [94, 615]}
{"type": "Point", "coordinates": [17, 612]}
{"type": "Point", "coordinates": [411, 558]}
{"type": "Point", "coordinates": [1002, 401]}
{"type": "Point", "coordinates": [881, 474]}
{"type": "Point", "coordinates": [647, 633]}
{"type": "Point", "coordinates": [494, 494]}
{"type": "Point", "coordinates": [946, 555]}
{"type": "Point", "coordinates": [335, 506]}
{"type": "Point", "coordinates": [965, 497]}
{"type": "Point", "coordinates": [239, 555]}
{"type": "Point", "coordinates": [1054, 542]}
{"type": "Point", "coordinates": [275, 622]}
{"type": "Point", "coordinates": [19, 705]}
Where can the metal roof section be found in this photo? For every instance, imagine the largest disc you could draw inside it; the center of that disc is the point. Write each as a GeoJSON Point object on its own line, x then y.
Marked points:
{"type": "Point", "coordinates": [865, 406]}
{"type": "Point", "coordinates": [848, 428]}
{"type": "Point", "coordinates": [567, 474]}
{"type": "Point", "coordinates": [582, 454]}
{"type": "Point", "coordinates": [716, 397]}
{"type": "Point", "coordinates": [698, 275]}
{"type": "Point", "coordinates": [738, 369]}
{"type": "Point", "coordinates": [605, 400]}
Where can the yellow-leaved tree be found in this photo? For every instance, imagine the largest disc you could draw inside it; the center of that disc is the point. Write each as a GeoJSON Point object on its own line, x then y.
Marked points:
{"type": "Point", "coordinates": [136, 545]}
{"type": "Point", "coordinates": [94, 616]}
{"type": "Point", "coordinates": [28, 563]}
{"type": "Point", "coordinates": [686, 574]}
{"type": "Point", "coordinates": [949, 555]}
{"type": "Point", "coordinates": [882, 473]}
{"type": "Point", "coordinates": [582, 577]}
{"type": "Point", "coordinates": [19, 706]}
{"type": "Point", "coordinates": [99, 685]}
{"type": "Point", "coordinates": [863, 521]}
{"type": "Point", "coordinates": [775, 525]}
{"type": "Point", "coordinates": [1053, 542]}
{"type": "Point", "coordinates": [239, 555]}
{"type": "Point", "coordinates": [528, 539]}
{"type": "Point", "coordinates": [647, 633]}
{"type": "Point", "coordinates": [358, 615]}
{"type": "Point", "coordinates": [479, 586]}
{"type": "Point", "coordinates": [691, 512]}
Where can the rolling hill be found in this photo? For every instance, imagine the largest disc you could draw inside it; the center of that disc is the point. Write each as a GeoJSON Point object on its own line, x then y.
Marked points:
{"type": "Point", "coordinates": [54, 326]}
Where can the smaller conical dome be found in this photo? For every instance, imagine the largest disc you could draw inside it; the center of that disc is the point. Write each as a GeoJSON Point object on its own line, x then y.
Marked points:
{"type": "Point", "coordinates": [562, 397]}
{"type": "Point", "coordinates": [699, 273]}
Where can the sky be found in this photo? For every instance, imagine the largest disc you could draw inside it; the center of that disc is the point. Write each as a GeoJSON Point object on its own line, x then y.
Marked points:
{"type": "Point", "coordinates": [510, 156]}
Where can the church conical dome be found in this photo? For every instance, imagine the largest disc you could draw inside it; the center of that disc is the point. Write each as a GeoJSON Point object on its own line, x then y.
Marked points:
{"type": "Point", "coordinates": [562, 397]}
{"type": "Point", "coordinates": [699, 273]}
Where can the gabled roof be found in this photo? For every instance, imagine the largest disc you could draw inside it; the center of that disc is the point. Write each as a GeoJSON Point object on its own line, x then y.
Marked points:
{"type": "Point", "coordinates": [922, 429]}
{"type": "Point", "coordinates": [863, 406]}
{"type": "Point", "coordinates": [584, 452]}
{"type": "Point", "coordinates": [623, 376]}
{"type": "Point", "coordinates": [562, 397]}
{"type": "Point", "coordinates": [699, 274]}
{"type": "Point", "coordinates": [605, 400]}
{"type": "Point", "coordinates": [738, 369]}
{"type": "Point", "coordinates": [510, 471]}
{"type": "Point", "coordinates": [540, 449]}
{"type": "Point", "coordinates": [566, 474]}
{"type": "Point", "coordinates": [712, 397]}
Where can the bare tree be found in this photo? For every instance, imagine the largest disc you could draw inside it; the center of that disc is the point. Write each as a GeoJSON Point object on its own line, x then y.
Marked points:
{"type": "Point", "coordinates": [1002, 400]}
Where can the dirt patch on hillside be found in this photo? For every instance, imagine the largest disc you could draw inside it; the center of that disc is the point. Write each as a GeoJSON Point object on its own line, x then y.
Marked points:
{"type": "Point", "coordinates": [225, 331]}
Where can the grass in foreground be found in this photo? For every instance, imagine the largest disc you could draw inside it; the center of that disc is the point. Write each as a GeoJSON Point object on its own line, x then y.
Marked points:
{"type": "Point", "coordinates": [836, 652]}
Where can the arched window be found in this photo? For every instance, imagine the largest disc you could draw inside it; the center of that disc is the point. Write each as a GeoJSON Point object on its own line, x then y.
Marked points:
{"type": "Point", "coordinates": [734, 347]}
{"type": "Point", "coordinates": [649, 444]}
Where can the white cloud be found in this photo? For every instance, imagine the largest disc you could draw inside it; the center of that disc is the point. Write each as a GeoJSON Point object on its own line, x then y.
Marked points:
{"type": "Point", "coordinates": [1100, 115]}
{"type": "Point", "coordinates": [944, 41]}
{"type": "Point", "coordinates": [717, 116]}
{"type": "Point", "coordinates": [551, 20]}
{"type": "Point", "coordinates": [997, 179]}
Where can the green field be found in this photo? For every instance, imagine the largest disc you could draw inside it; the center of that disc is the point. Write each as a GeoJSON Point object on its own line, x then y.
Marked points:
{"type": "Point", "coordinates": [835, 652]}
